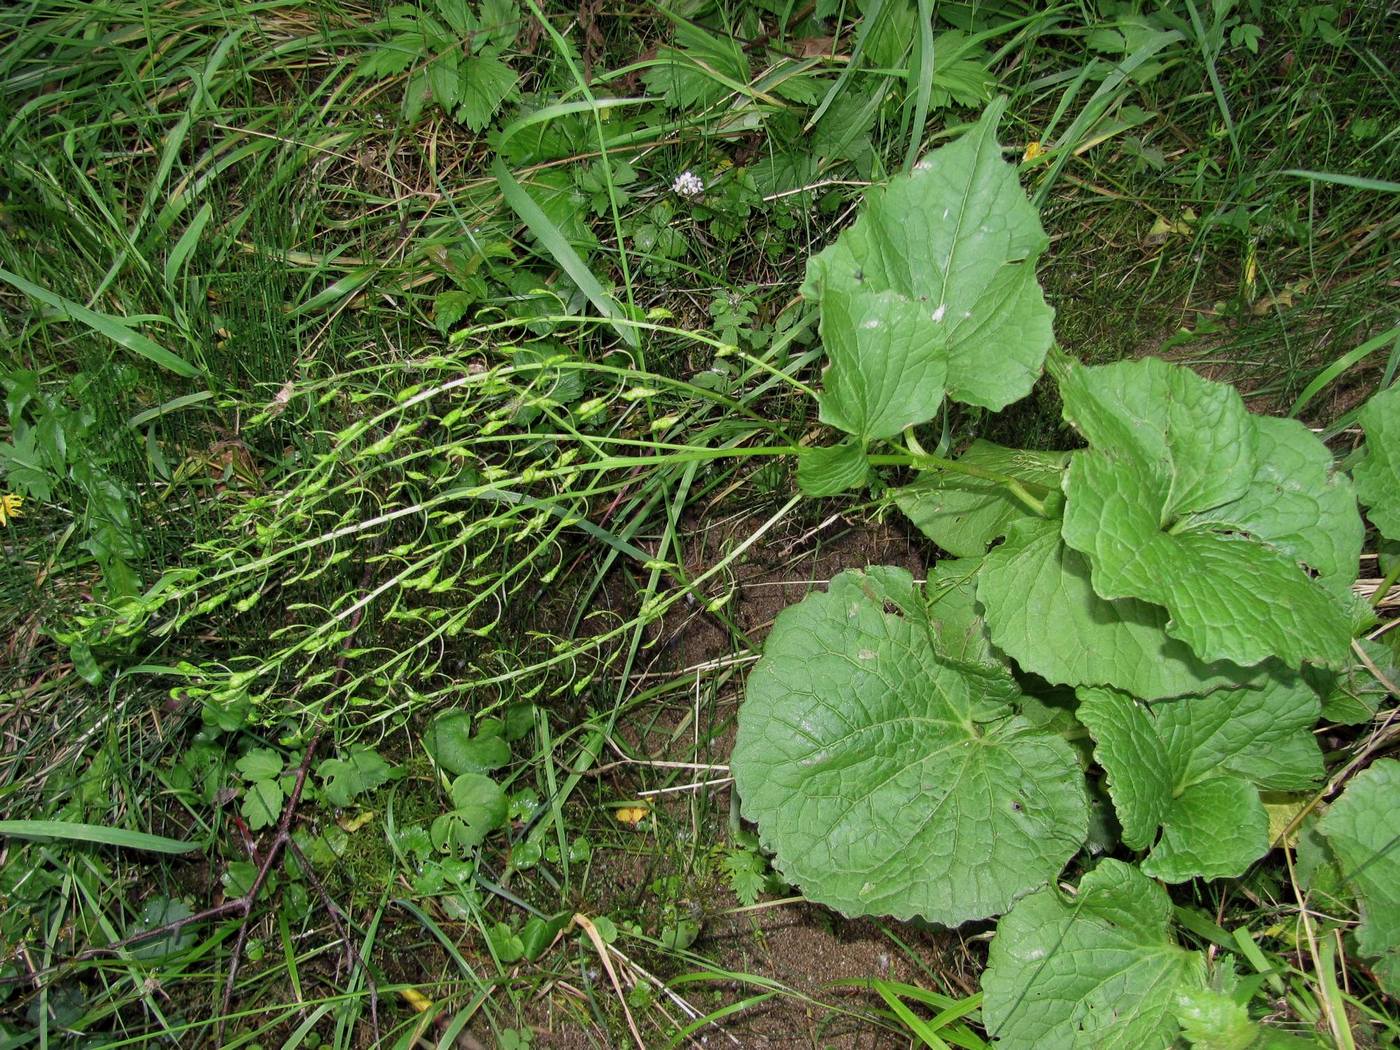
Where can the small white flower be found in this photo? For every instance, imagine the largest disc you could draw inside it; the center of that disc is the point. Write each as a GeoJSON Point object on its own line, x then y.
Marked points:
{"type": "Point", "coordinates": [688, 185]}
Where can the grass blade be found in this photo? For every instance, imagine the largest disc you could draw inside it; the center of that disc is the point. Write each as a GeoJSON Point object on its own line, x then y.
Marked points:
{"type": "Point", "coordinates": [1098, 105]}
{"type": "Point", "coordinates": [564, 109]}
{"type": "Point", "coordinates": [1342, 364]}
{"type": "Point", "coordinates": [1208, 60]}
{"type": "Point", "coordinates": [98, 833]}
{"type": "Point", "coordinates": [909, 1018]}
{"type": "Point", "coordinates": [175, 404]}
{"type": "Point", "coordinates": [103, 324]}
{"type": "Point", "coordinates": [870, 17]}
{"type": "Point", "coordinates": [1354, 181]}
{"type": "Point", "coordinates": [552, 239]}
{"type": "Point", "coordinates": [186, 244]}
{"type": "Point", "coordinates": [924, 85]}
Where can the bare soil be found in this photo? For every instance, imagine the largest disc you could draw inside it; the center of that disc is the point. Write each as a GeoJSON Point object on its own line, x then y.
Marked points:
{"type": "Point", "coordinates": [806, 948]}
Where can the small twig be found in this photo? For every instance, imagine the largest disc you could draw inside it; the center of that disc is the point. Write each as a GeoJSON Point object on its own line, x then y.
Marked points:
{"type": "Point", "coordinates": [342, 927]}
{"type": "Point", "coordinates": [696, 786]}
{"type": "Point", "coordinates": [685, 1005]}
{"type": "Point", "coordinates": [245, 903]}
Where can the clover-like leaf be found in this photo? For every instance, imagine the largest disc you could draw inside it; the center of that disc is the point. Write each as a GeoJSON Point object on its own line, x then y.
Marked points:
{"type": "Point", "coordinates": [361, 770]}
{"type": "Point", "coordinates": [161, 911]}
{"type": "Point", "coordinates": [964, 514]}
{"type": "Point", "coordinates": [480, 806]}
{"type": "Point", "coordinates": [261, 763]}
{"type": "Point", "coordinates": [1097, 971]}
{"type": "Point", "coordinates": [887, 779]}
{"type": "Point", "coordinates": [262, 804]}
{"type": "Point", "coordinates": [539, 933]}
{"type": "Point", "coordinates": [1042, 611]}
{"type": "Point", "coordinates": [1194, 767]}
{"type": "Point", "coordinates": [1363, 830]}
{"type": "Point", "coordinates": [1378, 475]}
{"type": "Point", "coordinates": [452, 744]}
{"type": "Point", "coordinates": [954, 243]}
{"type": "Point", "coordinates": [505, 943]}
{"type": "Point", "coordinates": [1178, 502]}
{"type": "Point", "coordinates": [485, 83]}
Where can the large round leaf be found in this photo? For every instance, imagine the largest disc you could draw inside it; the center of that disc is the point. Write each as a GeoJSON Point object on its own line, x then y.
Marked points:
{"type": "Point", "coordinates": [888, 780]}
{"type": "Point", "coordinates": [1099, 972]}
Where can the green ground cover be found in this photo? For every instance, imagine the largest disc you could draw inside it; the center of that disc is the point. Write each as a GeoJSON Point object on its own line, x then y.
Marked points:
{"type": "Point", "coordinates": [400, 474]}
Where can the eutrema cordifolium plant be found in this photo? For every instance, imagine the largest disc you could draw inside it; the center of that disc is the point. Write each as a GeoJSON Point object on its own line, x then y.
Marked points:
{"type": "Point", "coordinates": [1162, 615]}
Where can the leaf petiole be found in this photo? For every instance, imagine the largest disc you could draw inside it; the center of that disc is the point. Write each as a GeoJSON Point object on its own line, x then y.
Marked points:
{"type": "Point", "coordinates": [1025, 491]}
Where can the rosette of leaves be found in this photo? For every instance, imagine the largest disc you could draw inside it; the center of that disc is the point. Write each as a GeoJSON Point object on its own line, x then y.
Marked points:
{"type": "Point", "coordinates": [1183, 584]}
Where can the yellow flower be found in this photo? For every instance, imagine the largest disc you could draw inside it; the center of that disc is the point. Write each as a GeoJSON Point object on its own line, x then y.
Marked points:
{"type": "Point", "coordinates": [9, 507]}
{"type": "Point", "coordinates": [1033, 150]}
{"type": "Point", "coordinates": [632, 815]}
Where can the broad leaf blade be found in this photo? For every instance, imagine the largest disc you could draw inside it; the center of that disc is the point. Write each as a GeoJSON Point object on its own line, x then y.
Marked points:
{"type": "Point", "coordinates": [1098, 972]}
{"type": "Point", "coordinates": [1195, 766]}
{"type": "Point", "coordinates": [1166, 506]}
{"type": "Point", "coordinates": [1140, 779]}
{"type": "Point", "coordinates": [957, 240]}
{"type": "Point", "coordinates": [833, 469]}
{"type": "Point", "coordinates": [1042, 611]}
{"type": "Point", "coordinates": [1191, 437]}
{"type": "Point", "coordinates": [956, 621]}
{"type": "Point", "coordinates": [1363, 829]}
{"type": "Point", "coordinates": [1378, 475]}
{"type": "Point", "coordinates": [1263, 733]}
{"type": "Point", "coordinates": [1215, 829]}
{"type": "Point", "coordinates": [1298, 503]}
{"type": "Point", "coordinates": [886, 372]}
{"type": "Point", "coordinates": [888, 781]}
